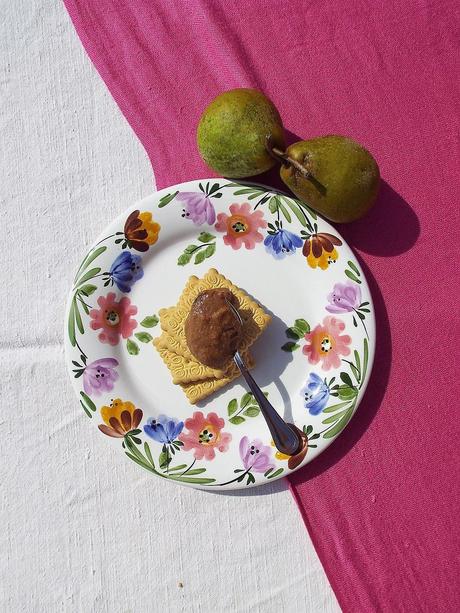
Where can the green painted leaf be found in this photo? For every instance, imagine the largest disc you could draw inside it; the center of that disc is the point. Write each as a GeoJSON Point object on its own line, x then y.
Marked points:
{"type": "Point", "coordinates": [92, 255]}
{"type": "Point", "coordinates": [364, 310]}
{"type": "Point", "coordinates": [237, 420]}
{"type": "Point", "coordinates": [276, 473]}
{"type": "Point", "coordinates": [251, 412]}
{"type": "Point", "coordinates": [133, 348]}
{"type": "Point", "coordinates": [255, 195]}
{"type": "Point", "coordinates": [71, 324]}
{"type": "Point", "coordinates": [357, 361]}
{"type": "Point", "coordinates": [364, 304]}
{"type": "Point", "coordinates": [83, 306]}
{"type": "Point", "coordinates": [86, 410]}
{"type": "Point", "coordinates": [305, 206]}
{"type": "Point", "coordinates": [296, 210]}
{"type": "Point", "coordinates": [294, 333]}
{"type": "Point", "coordinates": [144, 337]}
{"type": "Point", "coordinates": [164, 459]}
{"type": "Point", "coordinates": [251, 479]}
{"type": "Point", "coordinates": [191, 248]}
{"type": "Point", "coordinates": [196, 471]}
{"type": "Point", "coordinates": [196, 480]}
{"type": "Point", "coordinates": [88, 275]}
{"type": "Point", "coordinates": [360, 315]}
{"type": "Point", "coordinates": [273, 204]}
{"type": "Point", "coordinates": [200, 257]}
{"type": "Point", "coordinates": [214, 188]}
{"type": "Point", "coordinates": [176, 468]}
{"type": "Point", "coordinates": [78, 318]}
{"type": "Point", "coordinates": [365, 358]}
{"type": "Point", "coordinates": [346, 379]}
{"type": "Point", "coordinates": [88, 289]}
{"type": "Point", "coordinates": [355, 372]}
{"type": "Point", "coordinates": [351, 276]}
{"type": "Point", "coordinates": [284, 210]}
{"type": "Point", "coordinates": [333, 418]}
{"type": "Point", "coordinates": [290, 346]}
{"type": "Point", "coordinates": [139, 461]}
{"type": "Point", "coordinates": [210, 250]}
{"type": "Point", "coordinates": [89, 403]}
{"type": "Point", "coordinates": [314, 436]}
{"type": "Point", "coordinates": [167, 199]}
{"type": "Point", "coordinates": [205, 237]}
{"type": "Point", "coordinates": [232, 407]}
{"type": "Point", "coordinates": [340, 425]}
{"type": "Point", "coordinates": [246, 399]}
{"type": "Point", "coordinates": [184, 259]}
{"type": "Point", "coordinates": [354, 268]}
{"type": "Point", "coordinates": [309, 430]}
{"type": "Point", "coordinates": [150, 322]}
{"type": "Point", "coordinates": [302, 325]}
{"type": "Point", "coordinates": [246, 190]}
{"type": "Point", "coordinates": [267, 472]}
{"type": "Point", "coordinates": [336, 407]}
{"type": "Point", "coordinates": [346, 393]}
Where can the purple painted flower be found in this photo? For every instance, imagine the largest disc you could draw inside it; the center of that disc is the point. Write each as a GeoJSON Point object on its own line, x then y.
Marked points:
{"type": "Point", "coordinates": [344, 298]}
{"type": "Point", "coordinates": [100, 376]}
{"type": "Point", "coordinates": [255, 455]}
{"type": "Point", "coordinates": [198, 207]}
{"type": "Point", "coordinates": [315, 394]}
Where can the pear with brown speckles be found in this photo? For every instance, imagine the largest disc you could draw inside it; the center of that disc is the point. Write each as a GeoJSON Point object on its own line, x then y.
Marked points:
{"type": "Point", "coordinates": [334, 175]}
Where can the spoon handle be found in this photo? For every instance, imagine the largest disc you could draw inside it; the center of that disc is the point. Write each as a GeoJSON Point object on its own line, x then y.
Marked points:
{"type": "Point", "coordinates": [284, 436]}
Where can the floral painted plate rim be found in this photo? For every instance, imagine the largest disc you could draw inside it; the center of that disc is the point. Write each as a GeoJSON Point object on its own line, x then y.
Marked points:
{"type": "Point", "coordinates": [259, 218]}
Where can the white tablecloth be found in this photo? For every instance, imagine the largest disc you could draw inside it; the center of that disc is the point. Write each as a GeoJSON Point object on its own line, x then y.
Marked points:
{"type": "Point", "coordinates": [81, 530]}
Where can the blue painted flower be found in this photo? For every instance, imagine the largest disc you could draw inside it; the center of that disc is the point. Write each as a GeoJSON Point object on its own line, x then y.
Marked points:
{"type": "Point", "coordinates": [282, 243]}
{"type": "Point", "coordinates": [316, 394]}
{"type": "Point", "coordinates": [126, 270]}
{"type": "Point", "coordinates": [163, 429]}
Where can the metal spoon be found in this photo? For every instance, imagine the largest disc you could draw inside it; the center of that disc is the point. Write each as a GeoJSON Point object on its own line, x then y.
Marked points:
{"type": "Point", "coordinates": [285, 436]}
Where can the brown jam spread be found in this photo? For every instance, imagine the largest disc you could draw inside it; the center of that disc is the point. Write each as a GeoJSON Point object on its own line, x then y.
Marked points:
{"type": "Point", "coordinates": [212, 331]}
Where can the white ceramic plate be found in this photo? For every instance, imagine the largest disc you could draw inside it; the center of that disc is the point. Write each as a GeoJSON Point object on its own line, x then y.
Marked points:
{"type": "Point", "coordinates": [314, 360]}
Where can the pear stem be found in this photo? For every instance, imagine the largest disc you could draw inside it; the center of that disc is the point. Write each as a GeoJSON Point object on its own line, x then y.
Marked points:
{"type": "Point", "coordinates": [288, 161]}
{"type": "Point", "coordinates": [285, 159]}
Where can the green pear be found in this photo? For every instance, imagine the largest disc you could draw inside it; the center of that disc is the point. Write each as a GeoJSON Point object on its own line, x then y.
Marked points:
{"type": "Point", "coordinates": [334, 175]}
{"type": "Point", "coordinates": [234, 130]}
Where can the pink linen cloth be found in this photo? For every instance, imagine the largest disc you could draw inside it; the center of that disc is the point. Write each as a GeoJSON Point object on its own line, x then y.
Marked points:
{"type": "Point", "coordinates": [382, 504]}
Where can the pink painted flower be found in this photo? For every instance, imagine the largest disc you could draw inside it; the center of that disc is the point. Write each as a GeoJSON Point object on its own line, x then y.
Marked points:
{"type": "Point", "coordinates": [326, 344]}
{"type": "Point", "coordinates": [114, 318]}
{"type": "Point", "coordinates": [344, 298]}
{"type": "Point", "coordinates": [205, 435]}
{"type": "Point", "coordinates": [241, 226]}
{"type": "Point", "coordinates": [197, 207]}
{"type": "Point", "coordinates": [100, 376]}
{"type": "Point", "coordinates": [255, 455]}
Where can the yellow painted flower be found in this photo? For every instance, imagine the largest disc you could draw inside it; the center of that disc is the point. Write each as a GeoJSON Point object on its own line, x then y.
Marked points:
{"type": "Point", "coordinates": [320, 251]}
{"type": "Point", "coordinates": [152, 227]}
{"type": "Point", "coordinates": [141, 231]}
{"type": "Point", "coordinates": [120, 418]}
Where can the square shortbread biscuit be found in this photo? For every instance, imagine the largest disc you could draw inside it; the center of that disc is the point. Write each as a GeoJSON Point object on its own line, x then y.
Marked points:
{"type": "Point", "coordinates": [254, 317]}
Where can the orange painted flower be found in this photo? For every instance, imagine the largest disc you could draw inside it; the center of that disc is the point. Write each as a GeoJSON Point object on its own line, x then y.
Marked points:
{"type": "Point", "coordinates": [297, 459]}
{"type": "Point", "coordinates": [205, 435]}
{"type": "Point", "coordinates": [140, 231]}
{"type": "Point", "coordinates": [120, 418]}
{"type": "Point", "coordinates": [320, 251]}
{"type": "Point", "coordinates": [241, 226]}
{"type": "Point", "coordinates": [326, 344]}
